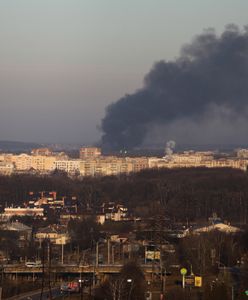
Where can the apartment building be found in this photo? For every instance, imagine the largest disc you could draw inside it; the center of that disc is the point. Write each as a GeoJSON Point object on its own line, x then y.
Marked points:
{"type": "Point", "coordinates": [41, 151]}
{"type": "Point", "coordinates": [23, 211]}
{"type": "Point", "coordinates": [110, 165]}
{"type": "Point", "coordinates": [138, 163]}
{"type": "Point", "coordinates": [6, 168]}
{"type": "Point", "coordinates": [191, 157]}
{"type": "Point", "coordinates": [68, 166]}
{"type": "Point", "coordinates": [43, 163]}
{"type": "Point", "coordinates": [22, 162]}
{"type": "Point", "coordinates": [92, 163]}
{"type": "Point", "coordinates": [90, 152]}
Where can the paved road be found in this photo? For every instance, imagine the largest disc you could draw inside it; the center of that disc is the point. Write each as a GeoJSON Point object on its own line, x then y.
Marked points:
{"type": "Point", "coordinates": [35, 295]}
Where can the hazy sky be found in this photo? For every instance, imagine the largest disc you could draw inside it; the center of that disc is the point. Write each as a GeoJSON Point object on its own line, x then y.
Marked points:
{"type": "Point", "coordinates": [63, 61]}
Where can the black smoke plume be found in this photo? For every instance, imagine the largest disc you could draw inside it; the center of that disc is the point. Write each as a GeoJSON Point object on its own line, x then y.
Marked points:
{"type": "Point", "coordinates": [211, 72]}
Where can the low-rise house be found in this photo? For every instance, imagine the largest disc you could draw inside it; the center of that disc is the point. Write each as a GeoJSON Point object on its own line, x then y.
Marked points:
{"type": "Point", "coordinates": [49, 200]}
{"type": "Point", "coordinates": [55, 234]}
{"type": "Point", "coordinates": [23, 231]}
{"type": "Point", "coordinates": [114, 212]}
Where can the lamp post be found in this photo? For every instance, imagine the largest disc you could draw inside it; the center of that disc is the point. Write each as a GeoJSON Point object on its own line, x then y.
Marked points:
{"type": "Point", "coordinates": [81, 287]}
{"type": "Point", "coordinates": [130, 281]}
{"type": "Point", "coordinates": [108, 250]}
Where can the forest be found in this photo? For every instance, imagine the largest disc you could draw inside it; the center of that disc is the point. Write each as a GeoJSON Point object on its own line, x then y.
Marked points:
{"type": "Point", "coordinates": [187, 195]}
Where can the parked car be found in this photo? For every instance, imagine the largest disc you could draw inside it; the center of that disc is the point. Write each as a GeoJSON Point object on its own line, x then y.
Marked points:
{"type": "Point", "coordinates": [33, 264]}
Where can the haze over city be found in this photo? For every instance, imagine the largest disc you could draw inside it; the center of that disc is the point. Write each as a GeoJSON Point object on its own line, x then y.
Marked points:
{"type": "Point", "coordinates": [63, 62]}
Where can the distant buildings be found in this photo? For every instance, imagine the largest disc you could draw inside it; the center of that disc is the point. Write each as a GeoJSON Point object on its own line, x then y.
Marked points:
{"type": "Point", "coordinates": [23, 232]}
{"type": "Point", "coordinates": [112, 165]}
{"type": "Point", "coordinates": [90, 152]}
{"type": "Point", "coordinates": [242, 153]}
{"type": "Point", "coordinates": [192, 159]}
{"type": "Point", "coordinates": [42, 152]}
{"type": "Point", "coordinates": [6, 168]}
{"type": "Point", "coordinates": [54, 233]}
{"type": "Point", "coordinates": [93, 163]}
{"type": "Point", "coordinates": [68, 166]}
{"type": "Point", "coordinates": [40, 160]}
{"type": "Point", "coordinates": [50, 201]}
{"type": "Point", "coordinates": [114, 212]}
{"type": "Point", "coordinates": [41, 204]}
{"type": "Point", "coordinates": [23, 211]}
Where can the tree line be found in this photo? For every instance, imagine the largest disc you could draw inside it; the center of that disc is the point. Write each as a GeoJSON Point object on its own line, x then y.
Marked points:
{"type": "Point", "coordinates": [185, 194]}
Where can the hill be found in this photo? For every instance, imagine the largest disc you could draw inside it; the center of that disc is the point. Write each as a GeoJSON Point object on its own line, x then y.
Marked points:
{"type": "Point", "coordinates": [13, 146]}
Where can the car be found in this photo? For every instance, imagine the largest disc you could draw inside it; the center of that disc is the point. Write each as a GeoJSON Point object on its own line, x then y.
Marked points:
{"type": "Point", "coordinates": [33, 264]}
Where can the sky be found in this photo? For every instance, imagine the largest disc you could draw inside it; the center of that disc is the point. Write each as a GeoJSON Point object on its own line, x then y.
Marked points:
{"type": "Point", "coordinates": [63, 61]}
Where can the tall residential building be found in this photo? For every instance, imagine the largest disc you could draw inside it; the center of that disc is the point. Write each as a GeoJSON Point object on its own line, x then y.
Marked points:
{"type": "Point", "coordinates": [90, 152]}
{"type": "Point", "coordinates": [22, 161]}
{"type": "Point", "coordinates": [43, 163]}
{"type": "Point", "coordinates": [69, 166]}
{"type": "Point", "coordinates": [41, 151]}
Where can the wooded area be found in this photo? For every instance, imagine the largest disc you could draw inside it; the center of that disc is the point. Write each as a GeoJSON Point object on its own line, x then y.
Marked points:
{"type": "Point", "coordinates": [188, 194]}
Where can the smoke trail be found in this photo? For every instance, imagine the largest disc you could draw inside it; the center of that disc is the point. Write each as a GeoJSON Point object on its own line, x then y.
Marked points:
{"type": "Point", "coordinates": [170, 145]}
{"type": "Point", "coordinates": [211, 72]}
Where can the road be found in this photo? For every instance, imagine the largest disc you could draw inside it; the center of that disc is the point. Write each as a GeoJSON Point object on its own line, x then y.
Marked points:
{"type": "Point", "coordinates": [35, 295]}
{"type": "Point", "coordinates": [73, 268]}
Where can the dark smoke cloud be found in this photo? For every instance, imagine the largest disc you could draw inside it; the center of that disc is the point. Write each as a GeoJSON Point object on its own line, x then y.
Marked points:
{"type": "Point", "coordinates": [210, 74]}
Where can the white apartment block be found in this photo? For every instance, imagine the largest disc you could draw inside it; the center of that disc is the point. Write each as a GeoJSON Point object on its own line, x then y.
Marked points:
{"type": "Point", "coordinates": [23, 211]}
{"type": "Point", "coordinates": [107, 166]}
{"type": "Point", "coordinates": [25, 162]}
{"type": "Point", "coordinates": [43, 163]}
{"type": "Point", "coordinates": [90, 152]}
{"type": "Point", "coordinates": [68, 166]}
{"type": "Point", "coordinates": [22, 162]}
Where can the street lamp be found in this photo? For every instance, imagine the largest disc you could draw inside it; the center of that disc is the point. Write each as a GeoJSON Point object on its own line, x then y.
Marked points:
{"type": "Point", "coordinates": [130, 281]}
{"type": "Point", "coordinates": [81, 287]}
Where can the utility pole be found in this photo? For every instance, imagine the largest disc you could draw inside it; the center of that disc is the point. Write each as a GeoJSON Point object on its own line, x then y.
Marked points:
{"type": "Point", "coordinates": [108, 251]}
{"type": "Point", "coordinates": [49, 269]}
{"type": "Point", "coordinates": [46, 275]}
{"type": "Point", "coordinates": [97, 254]}
{"type": "Point", "coordinates": [62, 253]}
{"type": "Point", "coordinates": [113, 254]}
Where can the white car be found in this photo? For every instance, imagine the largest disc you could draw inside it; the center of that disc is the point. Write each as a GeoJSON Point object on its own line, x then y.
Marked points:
{"type": "Point", "coordinates": [33, 264]}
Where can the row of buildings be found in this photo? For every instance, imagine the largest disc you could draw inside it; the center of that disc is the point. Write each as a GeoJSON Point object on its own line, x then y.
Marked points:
{"type": "Point", "coordinates": [64, 208]}
{"type": "Point", "coordinates": [91, 162]}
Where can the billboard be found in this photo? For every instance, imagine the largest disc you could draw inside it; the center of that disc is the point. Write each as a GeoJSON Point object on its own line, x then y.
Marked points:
{"type": "Point", "coordinates": [198, 281]}
{"type": "Point", "coordinates": [152, 255]}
